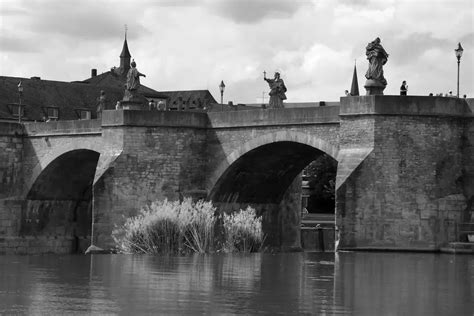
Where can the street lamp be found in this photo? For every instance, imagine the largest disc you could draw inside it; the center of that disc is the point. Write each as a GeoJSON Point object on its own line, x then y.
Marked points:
{"type": "Point", "coordinates": [20, 94]}
{"type": "Point", "coordinates": [222, 88]}
{"type": "Point", "coordinates": [458, 51]}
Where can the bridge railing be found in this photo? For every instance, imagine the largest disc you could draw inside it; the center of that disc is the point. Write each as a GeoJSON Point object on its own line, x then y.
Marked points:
{"type": "Point", "coordinates": [63, 127]}
{"type": "Point", "coordinates": [269, 117]}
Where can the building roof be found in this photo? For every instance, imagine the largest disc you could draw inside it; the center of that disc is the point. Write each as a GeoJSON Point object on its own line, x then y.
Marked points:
{"type": "Point", "coordinates": [191, 98]}
{"type": "Point", "coordinates": [39, 94]}
{"type": "Point", "coordinates": [69, 97]}
{"type": "Point", "coordinates": [113, 78]}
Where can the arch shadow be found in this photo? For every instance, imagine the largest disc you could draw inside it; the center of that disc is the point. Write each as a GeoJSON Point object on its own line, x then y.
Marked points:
{"type": "Point", "coordinates": [58, 205]}
{"type": "Point", "coordinates": [261, 170]}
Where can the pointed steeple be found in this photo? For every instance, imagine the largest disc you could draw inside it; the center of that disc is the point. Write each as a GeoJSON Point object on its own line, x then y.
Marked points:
{"type": "Point", "coordinates": [355, 83]}
{"type": "Point", "coordinates": [125, 55]}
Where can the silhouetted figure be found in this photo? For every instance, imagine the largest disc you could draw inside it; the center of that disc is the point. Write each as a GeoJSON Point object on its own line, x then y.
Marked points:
{"type": "Point", "coordinates": [404, 88]}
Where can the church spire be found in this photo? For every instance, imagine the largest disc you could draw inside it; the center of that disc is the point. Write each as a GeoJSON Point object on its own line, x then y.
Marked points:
{"type": "Point", "coordinates": [125, 54]}
{"type": "Point", "coordinates": [355, 83]}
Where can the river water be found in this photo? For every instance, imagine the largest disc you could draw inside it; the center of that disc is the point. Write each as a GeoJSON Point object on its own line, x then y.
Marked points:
{"type": "Point", "coordinates": [362, 283]}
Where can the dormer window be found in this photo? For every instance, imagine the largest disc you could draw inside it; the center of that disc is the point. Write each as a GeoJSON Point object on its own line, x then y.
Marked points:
{"type": "Point", "coordinates": [15, 110]}
{"type": "Point", "coordinates": [52, 113]}
{"type": "Point", "coordinates": [83, 114]}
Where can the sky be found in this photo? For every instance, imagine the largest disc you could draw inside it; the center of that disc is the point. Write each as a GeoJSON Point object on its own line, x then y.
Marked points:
{"type": "Point", "coordinates": [194, 44]}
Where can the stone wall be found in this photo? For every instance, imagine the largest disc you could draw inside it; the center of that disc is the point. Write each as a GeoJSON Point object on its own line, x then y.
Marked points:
{"type": "Point", "coordinates": [11, 159]}
{"type": "Point", "coordinates": [160, 159]}
{"type": "Point", "coordinates": [407, 192]}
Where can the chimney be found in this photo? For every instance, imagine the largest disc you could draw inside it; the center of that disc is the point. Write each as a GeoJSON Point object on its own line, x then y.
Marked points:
{"type": "Point", "coordinates": [93, 72]}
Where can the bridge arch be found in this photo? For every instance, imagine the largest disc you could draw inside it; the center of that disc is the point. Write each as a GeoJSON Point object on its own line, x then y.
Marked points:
{"type": "Point", "coordinates": [272, 157]}
{"type": "Point", "coordinates": [66, 177]}
{"type": "Point", "coordinates": [58, 203]}
{"type": "Point", "coordinates": [56, 152]}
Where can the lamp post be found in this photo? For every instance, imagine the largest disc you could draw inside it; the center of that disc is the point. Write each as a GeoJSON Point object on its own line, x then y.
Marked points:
{"type": "Point", "coordinates": [458, 51]}
{"type": "Point", "coordinates": [222, 88]}
{"type": "Point", "coordinates": [20, 94]}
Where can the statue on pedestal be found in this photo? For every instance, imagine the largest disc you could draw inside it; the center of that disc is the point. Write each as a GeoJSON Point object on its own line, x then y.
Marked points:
{"type": "Point", "coordinates": [377, 57]}
{"type": "Point", "coordinates": [101, 104]}
{"type": "Point", "coordinates": [132, 100]}
{"type": "Point", "coordinates": [277, 90]}
{"type": "Point", "coordinates": [133, 82]}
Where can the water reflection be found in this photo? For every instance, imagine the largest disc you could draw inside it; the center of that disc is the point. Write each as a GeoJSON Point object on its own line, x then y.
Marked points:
{"type": "Point", "coordinates": [282, 284]}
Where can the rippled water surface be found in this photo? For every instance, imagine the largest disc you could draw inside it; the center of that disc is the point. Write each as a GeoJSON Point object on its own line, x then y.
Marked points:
{"type": "Point", "coordinates": [361, 283]}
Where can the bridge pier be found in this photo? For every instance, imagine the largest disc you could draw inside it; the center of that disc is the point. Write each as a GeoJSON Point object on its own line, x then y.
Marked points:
{"type": "Point", "coordinates": [161, 156]}
{"type": "Point", "coordinates": [402, 177]}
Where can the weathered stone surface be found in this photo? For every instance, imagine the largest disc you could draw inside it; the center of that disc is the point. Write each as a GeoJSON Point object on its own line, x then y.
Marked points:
{"type": "Point", "coordinates": [405, 175]}
{"type": "Point", "coordinates": [408, 193]}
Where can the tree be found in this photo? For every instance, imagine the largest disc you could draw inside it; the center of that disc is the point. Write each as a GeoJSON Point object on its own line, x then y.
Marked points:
{"type": "Point", "coordinates": [321, 176]}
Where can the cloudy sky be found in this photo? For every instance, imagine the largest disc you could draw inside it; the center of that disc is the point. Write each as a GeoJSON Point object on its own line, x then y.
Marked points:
{"type": "Point", "coordinates": [194, 44]}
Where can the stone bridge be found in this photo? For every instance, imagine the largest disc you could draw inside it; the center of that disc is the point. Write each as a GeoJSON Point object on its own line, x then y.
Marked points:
{"type": "Point", "coordinates": [405, 171]}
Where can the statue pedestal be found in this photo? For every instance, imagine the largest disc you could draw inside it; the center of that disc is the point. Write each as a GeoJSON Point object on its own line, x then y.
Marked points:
{"type": "Point", "coordinates": [374, 87]}
{"type": "Point", "coordinates": [134, 101]}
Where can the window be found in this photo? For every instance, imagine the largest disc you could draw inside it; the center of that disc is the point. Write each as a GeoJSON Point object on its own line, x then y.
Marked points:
{"type": "Point", "coordinates": [52, 113]}
{"type": "Point", "coordinates": [85, 115]}
{"type": "Point", "coordinates": [15, 110]}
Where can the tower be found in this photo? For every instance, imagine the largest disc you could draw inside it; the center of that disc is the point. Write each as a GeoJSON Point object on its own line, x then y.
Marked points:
{"type": "Point", "coordinates": [355, 83]}
{"type": "Point", "coordinates": [125, 56]}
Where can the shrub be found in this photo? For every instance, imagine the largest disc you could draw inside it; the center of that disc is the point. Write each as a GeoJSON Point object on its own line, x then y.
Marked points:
{"type": "Point", "coordinates": [243, 231]}
{"type": "Point", "coordinates": [197, 224]}
{"type": "Point", "coordinates": [164, 227]}
{"type": "Point", "coordinates": [181, 227]}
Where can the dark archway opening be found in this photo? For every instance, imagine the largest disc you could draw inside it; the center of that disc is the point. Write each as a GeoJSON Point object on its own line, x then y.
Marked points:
{"type": "Point", "coordinates": [269, 179]}
{"type": "Point", "coordinates": [58, 206]}
{"type": "Point", "coordinates": [319, 183]}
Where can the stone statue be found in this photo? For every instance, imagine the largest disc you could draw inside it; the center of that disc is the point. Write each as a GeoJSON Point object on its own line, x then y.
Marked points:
{"type": "Point", "coordinates": [377, 57]}
{"type": "Point", "coordinates": [133, 81]}
{"type": "Point", "coordinates": [101, 103]}
{"type": "Point", "coordinates": [277, 90]}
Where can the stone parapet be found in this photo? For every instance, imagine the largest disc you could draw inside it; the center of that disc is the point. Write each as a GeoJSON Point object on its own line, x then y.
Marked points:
{"type": "Point", "coordinates": [11, 129]}
{"type": "Point", "coordinates": [113, 118]}
{"type": "Point", "coordinates": [76, 127]}
{"type": "Point", "coordinates": [405, 105]}
{"type": "Point", "coordinates": [275, 117]}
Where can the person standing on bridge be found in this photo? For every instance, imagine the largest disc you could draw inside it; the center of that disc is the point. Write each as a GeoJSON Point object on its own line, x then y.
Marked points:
{"type": "Point", "coordinates": [403, 88]}
{"type": "Point", "coordinates": [277, 90]}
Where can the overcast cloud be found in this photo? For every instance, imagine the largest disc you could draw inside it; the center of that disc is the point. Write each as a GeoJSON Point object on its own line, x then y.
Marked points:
{"type": "Point", "coordinates": [184, 45]}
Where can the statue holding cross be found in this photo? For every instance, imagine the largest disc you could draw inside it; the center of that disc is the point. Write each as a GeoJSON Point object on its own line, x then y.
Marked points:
{"type": "Point", "coordinates": [277, 90]}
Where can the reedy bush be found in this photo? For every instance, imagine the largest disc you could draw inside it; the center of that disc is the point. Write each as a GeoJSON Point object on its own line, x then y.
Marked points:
{"type": "Point", "coordinates": [166, 227]}
{"type": "Point", "coordinates": [243, 231]}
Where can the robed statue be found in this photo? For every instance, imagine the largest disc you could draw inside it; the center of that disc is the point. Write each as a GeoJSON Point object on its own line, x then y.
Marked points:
{"type": "Point", "coordinates": [277, 90]}
{"type": "Point", "coordinates": [377, 57]}
{"type": "Point", "coordinates": [101, 103]}
{"type": "Point", "coordinates": [133, 80]}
